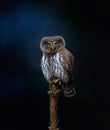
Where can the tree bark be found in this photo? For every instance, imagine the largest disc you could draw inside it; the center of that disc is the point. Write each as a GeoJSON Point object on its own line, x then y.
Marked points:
{"type": "Point", "coordinates": [53, 96]}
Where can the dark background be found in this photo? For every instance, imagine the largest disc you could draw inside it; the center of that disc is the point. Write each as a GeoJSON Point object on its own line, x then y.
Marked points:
{"type": "Point", "coordinates": [24, 102]}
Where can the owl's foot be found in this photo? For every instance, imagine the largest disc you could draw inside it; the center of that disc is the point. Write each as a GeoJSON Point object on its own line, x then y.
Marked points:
{"type": "Point", "coordinates": [57, 81]}
{"type": "Point", "coordinates": [54, 82]}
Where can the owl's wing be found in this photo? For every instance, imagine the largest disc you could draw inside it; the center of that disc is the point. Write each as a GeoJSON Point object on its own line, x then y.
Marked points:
{"type": "Point", "coordinates": [68, 60]}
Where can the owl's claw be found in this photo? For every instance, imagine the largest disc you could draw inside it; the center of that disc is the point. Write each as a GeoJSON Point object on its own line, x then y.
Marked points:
{"type": "Point", "coordinates": [59, 82]}
{"type": "Point", "coordinates": [55, 80]}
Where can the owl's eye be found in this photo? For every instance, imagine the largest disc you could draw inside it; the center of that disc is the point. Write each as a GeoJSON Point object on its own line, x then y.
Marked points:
{"type": "Point", "coordinates": [49, 43]}
{"type": "Point", "coordinates": [55, 42]}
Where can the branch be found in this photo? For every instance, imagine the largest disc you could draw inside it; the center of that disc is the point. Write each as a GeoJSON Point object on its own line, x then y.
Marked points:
{"type": "Point", "coordinates": [53, 95]}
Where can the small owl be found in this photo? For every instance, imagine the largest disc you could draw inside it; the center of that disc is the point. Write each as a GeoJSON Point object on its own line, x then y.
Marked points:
{"type": "Point", "coordinates": [57, 62]}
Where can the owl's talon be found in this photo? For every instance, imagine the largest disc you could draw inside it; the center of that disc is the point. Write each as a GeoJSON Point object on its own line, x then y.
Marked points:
{"type": "Point", "coordinates": [59, 82]}
{"type": "Point", "coordinates": [55, 80]}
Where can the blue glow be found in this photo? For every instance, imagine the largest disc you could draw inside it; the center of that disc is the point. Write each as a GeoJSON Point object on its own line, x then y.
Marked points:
{"type": "Point", "coordinates": [26, 26]}
{"type": "Point", "coordinates": [21, 30]}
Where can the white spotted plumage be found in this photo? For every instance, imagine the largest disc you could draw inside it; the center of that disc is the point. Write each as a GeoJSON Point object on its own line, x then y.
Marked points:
{"type": "Point", "coordinates": [52, 66]}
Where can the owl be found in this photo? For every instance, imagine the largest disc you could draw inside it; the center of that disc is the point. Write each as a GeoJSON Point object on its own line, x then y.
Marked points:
{"type": "Point", "coordinates": [57, 62]}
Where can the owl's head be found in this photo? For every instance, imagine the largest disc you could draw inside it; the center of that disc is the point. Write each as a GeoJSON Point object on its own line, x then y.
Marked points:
{"type": "Point", "coordinates": [52, 44]}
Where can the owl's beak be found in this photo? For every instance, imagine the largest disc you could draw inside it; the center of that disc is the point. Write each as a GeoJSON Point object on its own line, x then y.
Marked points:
{"type": "Point", "coordinates": [53, 47]}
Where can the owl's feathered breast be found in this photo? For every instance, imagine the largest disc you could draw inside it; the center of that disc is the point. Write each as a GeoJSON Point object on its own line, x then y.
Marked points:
{"type": "Point", "coordinates": [52, 66]}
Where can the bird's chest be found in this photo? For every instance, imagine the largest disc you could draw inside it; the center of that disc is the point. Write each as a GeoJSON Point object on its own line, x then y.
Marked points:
{"type": "Point", "coordinates": [52, 65]}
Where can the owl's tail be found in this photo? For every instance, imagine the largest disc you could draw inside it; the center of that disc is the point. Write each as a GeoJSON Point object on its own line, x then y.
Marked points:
{"type": "Point", "coordinates": [69, 91]}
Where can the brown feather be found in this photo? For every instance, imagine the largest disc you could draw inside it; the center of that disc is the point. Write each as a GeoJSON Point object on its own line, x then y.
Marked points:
{"type": "Point", "coordinates": [68, 59]}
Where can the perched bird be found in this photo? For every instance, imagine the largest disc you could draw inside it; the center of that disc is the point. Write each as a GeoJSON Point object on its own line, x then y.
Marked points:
{"type": "Point", "coordinates": [57, 63]}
